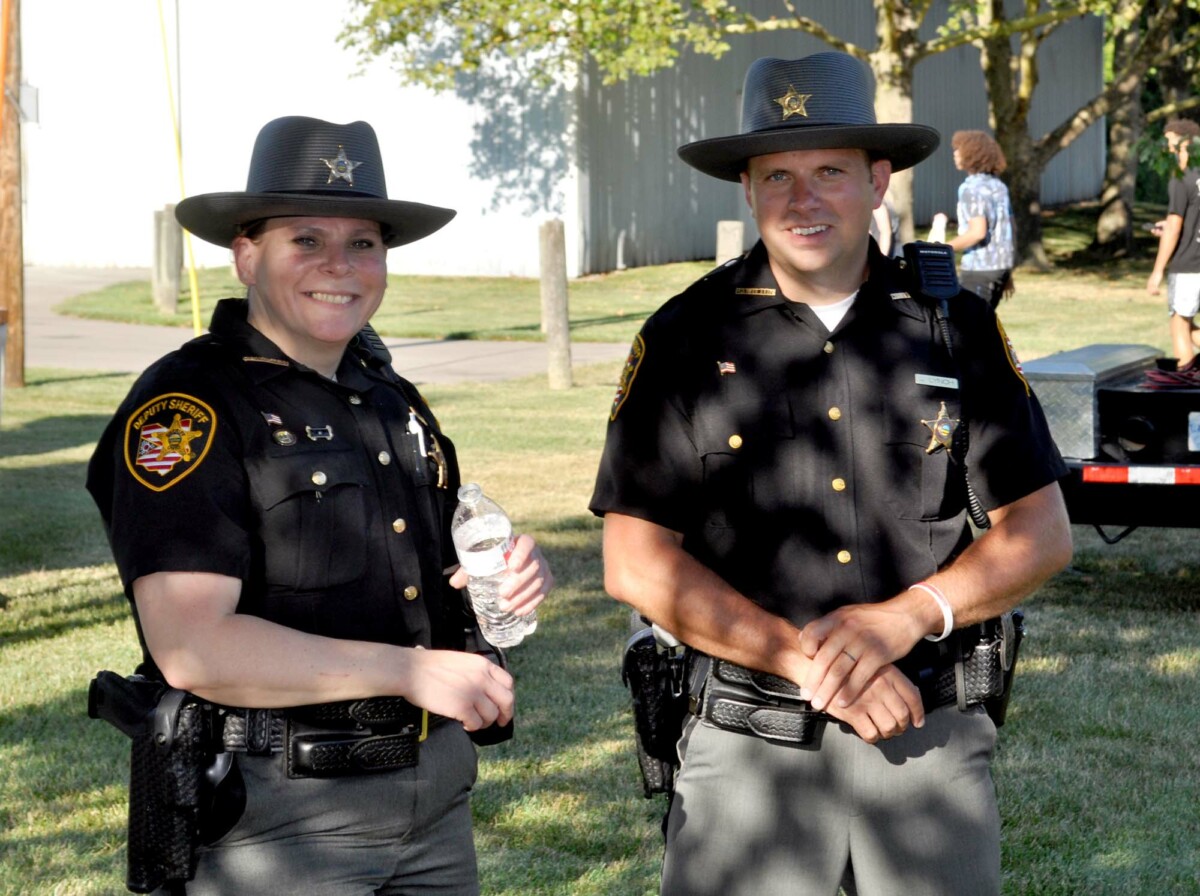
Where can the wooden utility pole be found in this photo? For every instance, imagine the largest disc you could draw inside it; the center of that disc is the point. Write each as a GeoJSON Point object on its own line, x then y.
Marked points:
{"type": "Point", "coordinates": [12, 258]}
{"type": "Point", "coordinates": [555, 317]}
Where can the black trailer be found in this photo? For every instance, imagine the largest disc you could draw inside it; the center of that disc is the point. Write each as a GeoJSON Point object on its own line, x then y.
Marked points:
{"type": "Point", "coordinates": [1133, 447]}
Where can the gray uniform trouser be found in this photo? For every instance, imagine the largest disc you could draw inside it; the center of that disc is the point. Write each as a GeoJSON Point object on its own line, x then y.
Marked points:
{"type": "Point", "coordinates": [400, 832]}
{"type": "Point", "coordinates": [914, 814]}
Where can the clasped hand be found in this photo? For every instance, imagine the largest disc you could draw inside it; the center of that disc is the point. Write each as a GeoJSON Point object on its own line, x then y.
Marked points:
{"type": "Point", "coordinates": [850, 673]}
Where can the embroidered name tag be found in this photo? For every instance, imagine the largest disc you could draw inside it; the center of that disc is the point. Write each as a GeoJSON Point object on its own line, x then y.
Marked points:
{"type": "Point", "coordinates": [943, 382]}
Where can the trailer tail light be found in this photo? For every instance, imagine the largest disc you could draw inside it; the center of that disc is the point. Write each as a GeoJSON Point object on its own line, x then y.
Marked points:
{"type": "Point", "coordinates": [1140, 475]}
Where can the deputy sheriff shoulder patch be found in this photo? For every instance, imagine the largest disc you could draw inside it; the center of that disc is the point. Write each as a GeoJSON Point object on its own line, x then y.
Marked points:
{"type": "Point", "coordinates": [1011, 353]}
{"type": "Point", "coordinates": [636, 353]}
{"type": "Point", "coordinates": [167, 438]}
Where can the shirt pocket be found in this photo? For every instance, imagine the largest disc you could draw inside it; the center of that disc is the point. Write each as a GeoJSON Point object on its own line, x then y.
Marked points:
{"type": "Point", "coordinates": [745, 449]}
{"type": "Point", "coordinates": [313, 517]}
{"type": "Point", "coordinates": [924, 485]}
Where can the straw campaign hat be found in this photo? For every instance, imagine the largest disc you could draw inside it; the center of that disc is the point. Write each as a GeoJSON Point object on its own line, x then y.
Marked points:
{"type": "Point", "coordinates": [308, 167]}
{"type": "Point", "coordinates": [822, 101]}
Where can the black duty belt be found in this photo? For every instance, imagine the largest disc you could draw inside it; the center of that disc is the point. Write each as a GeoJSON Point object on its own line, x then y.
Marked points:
{"type": "Point", "coordinates": [350, 737]}
{"type": "Point", "coordinates": [966, 672]}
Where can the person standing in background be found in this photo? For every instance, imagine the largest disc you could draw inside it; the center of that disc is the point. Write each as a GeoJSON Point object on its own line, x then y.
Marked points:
{"type": "Point", "coordinates": [985, 226]}
{"type": "Point", "coordinates": [885, 228]}
{"type": "Point", "coordinates": [1179, 244]}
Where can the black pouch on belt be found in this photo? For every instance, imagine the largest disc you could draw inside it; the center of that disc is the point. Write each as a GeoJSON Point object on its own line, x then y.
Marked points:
{"type": "Point", "coordinates": [758, 703]}
{"type": "Point", "coordinates": [975, 666]}
{"type": "Point", "coordinates": [985, 674]}
{"type": "Point", "coordinates": [656, 675]}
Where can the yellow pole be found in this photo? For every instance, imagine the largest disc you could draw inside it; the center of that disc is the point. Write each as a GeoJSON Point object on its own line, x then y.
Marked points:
{"type": "Point", "coordinates": [193, 282]}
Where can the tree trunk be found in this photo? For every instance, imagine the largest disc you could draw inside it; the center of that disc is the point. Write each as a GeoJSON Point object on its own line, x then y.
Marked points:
{"type": "Point", "coordinates": [1025, 192]}
{"type": "Point", "coordinates": [1010, 81]}
{"type": "Point", "coordinates": [893, 102]}
{"type": "Point", "coordinates": [892, 63]}
{"type": "Point", "coordinates": [1114, 227]}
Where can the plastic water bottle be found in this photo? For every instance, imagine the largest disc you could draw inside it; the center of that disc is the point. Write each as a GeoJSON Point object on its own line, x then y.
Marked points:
{"type": "Point", "coordinates": [483, 539]}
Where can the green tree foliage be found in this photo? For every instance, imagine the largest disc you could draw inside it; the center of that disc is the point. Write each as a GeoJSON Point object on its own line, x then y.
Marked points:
{"type": "Point", "coordinates": [433, 43]}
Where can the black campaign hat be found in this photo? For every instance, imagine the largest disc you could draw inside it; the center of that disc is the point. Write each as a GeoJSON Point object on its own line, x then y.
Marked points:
{"type": "Point", "coordinates": [822, 101]}
{"type": "Point", "coordinates": [311, 168]}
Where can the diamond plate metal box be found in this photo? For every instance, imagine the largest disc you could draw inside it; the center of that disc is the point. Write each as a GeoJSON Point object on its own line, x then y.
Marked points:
{"type": "Point", "coordinates": [1065, 384]}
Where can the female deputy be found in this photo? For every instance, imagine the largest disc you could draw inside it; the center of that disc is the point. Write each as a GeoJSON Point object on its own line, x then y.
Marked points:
{"type": "Point", "coordinates": [278, 500]}
{"type": "Point", "coordinates": [985, 226]}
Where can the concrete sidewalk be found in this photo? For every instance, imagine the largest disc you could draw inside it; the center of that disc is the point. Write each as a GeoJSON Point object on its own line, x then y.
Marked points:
{"type": "Point", "coordinates": [54, 340]}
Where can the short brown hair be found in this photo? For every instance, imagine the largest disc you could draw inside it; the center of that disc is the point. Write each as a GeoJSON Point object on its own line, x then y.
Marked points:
{"type": "Point", "coordinates": [1184, 127]}
{"type": "Point", "coordinates": [978, 152]}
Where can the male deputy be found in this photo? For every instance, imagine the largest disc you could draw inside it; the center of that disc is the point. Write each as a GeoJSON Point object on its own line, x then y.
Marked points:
{"type": "Point", "coordinates": [782, 489]}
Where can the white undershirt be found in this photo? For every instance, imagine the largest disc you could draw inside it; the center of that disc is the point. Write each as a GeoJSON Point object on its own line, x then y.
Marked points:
{"type": "Point", "coordinates": [831, 315]}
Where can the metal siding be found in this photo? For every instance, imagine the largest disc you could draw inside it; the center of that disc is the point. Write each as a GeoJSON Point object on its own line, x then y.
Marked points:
{"type": "Point", "coordinates": [642, 205]}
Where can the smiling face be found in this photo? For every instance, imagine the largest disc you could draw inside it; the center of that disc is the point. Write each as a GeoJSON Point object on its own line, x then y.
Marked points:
{"type": "Point", "coordinates": [813, 210]}
{"type": "Point", "coordinates": [313, 284]}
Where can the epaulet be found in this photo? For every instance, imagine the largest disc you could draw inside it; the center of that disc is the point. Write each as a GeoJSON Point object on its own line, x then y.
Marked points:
{"type": "Point", "coordinates": [724, 267]}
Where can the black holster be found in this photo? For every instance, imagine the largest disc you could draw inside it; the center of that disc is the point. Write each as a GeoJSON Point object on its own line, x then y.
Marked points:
{"type": "Point", "coordinates": [657, 677]}
{"type": "Point", "coordinates": [174, 774]}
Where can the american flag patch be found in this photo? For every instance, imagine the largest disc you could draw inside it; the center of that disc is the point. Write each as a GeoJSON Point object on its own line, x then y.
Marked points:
{"type": "Point", "coordinates": [726, 367]}
{"type": "Point", "coordinates": [272, 419]}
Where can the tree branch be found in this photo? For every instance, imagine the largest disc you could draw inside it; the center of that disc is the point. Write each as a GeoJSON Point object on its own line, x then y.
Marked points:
{"type": "Point", "coordinates": [752, 24]}
{"type": "Point", "coordinates": [1172, 109]}
{"type": "Point", "coordinates": [1140, 60]}
{"type": "Point", "coordinates": [1001, 28]}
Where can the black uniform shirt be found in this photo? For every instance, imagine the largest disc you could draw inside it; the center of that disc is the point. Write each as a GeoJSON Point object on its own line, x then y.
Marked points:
{"type": "Point", "coordinates": [794, 460]}
{"type": "Point", "coordinates": [321, 496]}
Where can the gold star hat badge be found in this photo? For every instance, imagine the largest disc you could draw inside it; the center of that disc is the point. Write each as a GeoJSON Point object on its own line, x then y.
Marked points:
{"type": "Point", "coordinates": [341, 168]}
{"type": "Point", "coordinates": [820, 101]}
{"type": "Point", "coordinates": [793, 103]}
{"type": "Point", "coordinates": [306, 167]}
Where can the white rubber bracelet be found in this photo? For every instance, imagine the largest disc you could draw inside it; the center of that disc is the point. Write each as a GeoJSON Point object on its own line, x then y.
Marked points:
{"type": "Point", "coordinates": [943, 604]}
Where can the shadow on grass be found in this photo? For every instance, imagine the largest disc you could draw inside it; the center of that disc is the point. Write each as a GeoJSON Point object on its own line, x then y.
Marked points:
{"type": "Point", "coordinates": [100, 610]}
{"type": "Point", "coordinates": [67, 770]}
{"type": "Point", "coordinates": [80, 378]}
{"type": "Point", "coordinates": [47, 434]}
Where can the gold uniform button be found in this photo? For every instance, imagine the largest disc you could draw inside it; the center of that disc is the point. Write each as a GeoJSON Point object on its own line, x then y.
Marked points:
{"type": "Point", "coordinates": [735, 441]}
{"type": "Point", "coordinates": [354, 399]}
{"type": "Point", "coordinates": [385, 458]}
{"type": "Point", "coordinates": [399, 525]}
{"type": "Point", "coordinates": [839, 485]}
{"type": "Point", "coordinates": [843, 557]}
{"type": "Point", "coordinates": [835, 413]}
{"type": "Point", "coordinates": [827, 348]}
{"type": "Point", "coordinates": [411, 592]}
{"type": "Point", "coordinates": [319, 478]}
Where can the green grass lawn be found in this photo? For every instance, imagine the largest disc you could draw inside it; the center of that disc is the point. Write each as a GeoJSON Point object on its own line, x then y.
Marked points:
{"type": "Point", "coordinates": [603, 307]}
{"type": "Point", "coordinates": [1097, 768]}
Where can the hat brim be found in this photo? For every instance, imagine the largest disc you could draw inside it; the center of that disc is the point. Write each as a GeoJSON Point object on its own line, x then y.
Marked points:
{"type": "Point", "coordinates": [904, 145]}
{"type": "Point", "coordinates": [219, 217]}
